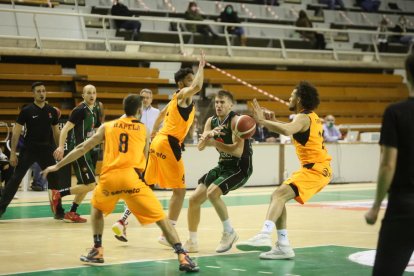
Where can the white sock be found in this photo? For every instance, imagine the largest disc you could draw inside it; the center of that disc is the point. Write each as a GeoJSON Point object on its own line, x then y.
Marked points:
{"type": "Point", "coordinates": [125, 215]}
{"type": "Point", "coordinates": [193, 236]}
{"type": "Point", "coordinates": [268, 227]}
{"type": "Point", "coordinates": [282, 237]}
{"type": "Point", "coordinates": [227, 226]}
{"type": "Point", "coordinates": [173, 222]}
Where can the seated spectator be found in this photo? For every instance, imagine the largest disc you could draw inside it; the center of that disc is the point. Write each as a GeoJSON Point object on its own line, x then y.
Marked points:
{"type": "Point", "coordinates": [369, 5]}
{"type": "Point", "coordinates": [333, 3]}
{"type": "Point", "coordinates": [262, 134]}
{"type": "Point", "coordinates": [119, 9]}
{"type": "Point", "coordinates": [228, 15]}
{"type": "Point", "coordinates": [382, 39]}
{"type": "Point", "coordinates": [193, 13]}
{"type": "Point", "coordinates": [330, 132]}
{"type": "Point", "coordinates": [401, 27]}
{"type": "Point", "coordinates": [268, 2]}
{"type": "Point", "coordinates": [317, 39]}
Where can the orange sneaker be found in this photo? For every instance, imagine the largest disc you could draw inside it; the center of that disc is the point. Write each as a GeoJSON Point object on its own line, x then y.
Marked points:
{"type": "Point", "coordinates": [73, 217]}
{"type": "Point", "coordinates": [95, 255]}
{"type": "Point", "coordinates": [186, 263]}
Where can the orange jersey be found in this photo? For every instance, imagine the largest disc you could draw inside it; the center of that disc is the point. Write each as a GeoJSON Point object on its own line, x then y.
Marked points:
{"type": "Point", "coordinates": [177, 123]}
{"type": "Point", "coordinates": [309, 144]}
{"type": "Point", "coordinates": [125, 140]}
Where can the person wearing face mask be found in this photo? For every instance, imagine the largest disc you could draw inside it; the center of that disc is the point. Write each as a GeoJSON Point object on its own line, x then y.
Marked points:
{"type": "Point", "coordinates": [228, 15]}
{"type": "Point", "coordinates": [192, 13]}
{"type": "Point", "coordinates": [330, 132]}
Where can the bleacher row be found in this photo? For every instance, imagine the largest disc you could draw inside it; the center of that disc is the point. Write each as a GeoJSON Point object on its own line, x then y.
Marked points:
{"type": "Point", "coordinates": [354, 98]}
{"type": "Point", "coordinates": [285, 14]}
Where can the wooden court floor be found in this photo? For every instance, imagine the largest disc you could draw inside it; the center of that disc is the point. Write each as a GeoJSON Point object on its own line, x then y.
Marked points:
{"type": "Point", "coordinates": [324, 233]}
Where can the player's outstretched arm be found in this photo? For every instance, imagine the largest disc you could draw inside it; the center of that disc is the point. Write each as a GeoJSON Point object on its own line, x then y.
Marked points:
{"type": "Point", "coordinates": [198, 80]}
{"type": "Point", "coordinates": [79, 151]}
{"type": "Point", "coordinates": [205, 136]}
{"type": "Point", "coordinates": [385, 175]}
{"type": "Point", "coordinates": [58, 153]}
{"type": "Point", "coordinates": [299, 124]}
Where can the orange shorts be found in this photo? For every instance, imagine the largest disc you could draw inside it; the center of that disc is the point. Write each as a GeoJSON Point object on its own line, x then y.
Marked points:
{"type": "Point", "coordinates": [165, 166]}
{"type": "Point", "coordinates": [126, 184]}
{"type": "Point", "coordinates": [310, 181]}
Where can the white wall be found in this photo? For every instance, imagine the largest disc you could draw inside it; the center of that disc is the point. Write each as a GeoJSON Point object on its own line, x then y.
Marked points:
{"type": "Point", "coordinates": [351, 162]}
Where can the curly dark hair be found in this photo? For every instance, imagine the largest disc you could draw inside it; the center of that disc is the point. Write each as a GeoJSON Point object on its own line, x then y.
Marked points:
{"type": "Point", "coordinates": [308, 94]}
{"type": "Point", "coordinates": [182, 73]}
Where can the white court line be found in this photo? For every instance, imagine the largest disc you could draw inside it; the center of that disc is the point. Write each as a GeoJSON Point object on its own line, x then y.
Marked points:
{"type": "Point", "coordinates": [238, 269]}
{"type": "Point", "coordinates": [211, 266]}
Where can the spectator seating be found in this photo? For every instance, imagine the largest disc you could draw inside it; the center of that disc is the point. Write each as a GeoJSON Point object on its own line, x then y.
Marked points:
{"type": "Point", "coordinates": [15, 84]}
{"type": "Point", "coordinates": [113, 83]}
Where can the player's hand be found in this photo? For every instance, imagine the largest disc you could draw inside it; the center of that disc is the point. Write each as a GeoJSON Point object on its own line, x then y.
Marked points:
{"type": "Point", "coordinates": [49, 170]}
{"type": "Point", "coordinates": [217, 131]}
{"type": "Point", "coordinates": [258, 113]}
{"type": "Point", "coordinates": [202, 62]}
{"type": "Point", "coordinates": [268, 114]}
{"type": "Point", "coordinates": [58, 153]}
{"type": "Point", "coordinates": [153, 133]}
{"type": "Point", "coordinates": [13, 159]}
{"type": "Point", "coordinates": [372, 215]}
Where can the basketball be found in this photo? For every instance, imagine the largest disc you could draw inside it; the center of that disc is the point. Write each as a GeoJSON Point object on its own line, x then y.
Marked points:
{"type": "Point", "coordinates": [244, 126]}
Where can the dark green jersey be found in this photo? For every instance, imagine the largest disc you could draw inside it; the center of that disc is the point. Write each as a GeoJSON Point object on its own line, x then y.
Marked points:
{"type": "Point", "coordinates": [85, 120]}
{"type": "Point", "coordinates": [228, 160]}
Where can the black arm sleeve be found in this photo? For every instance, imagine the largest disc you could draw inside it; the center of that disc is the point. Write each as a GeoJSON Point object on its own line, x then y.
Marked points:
{"type": "Point", "coordinates": [76, 116]}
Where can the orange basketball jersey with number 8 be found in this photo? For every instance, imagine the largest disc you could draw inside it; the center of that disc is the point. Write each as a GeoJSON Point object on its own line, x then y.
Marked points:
{"type": "Point", "coordinates": [125, 140]}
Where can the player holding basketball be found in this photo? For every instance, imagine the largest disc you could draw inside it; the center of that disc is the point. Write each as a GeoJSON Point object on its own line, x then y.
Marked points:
{"type": "Point", "coordinates": [315, 173]}
{"type": "Point", "coordinates": [126, 145]}
{"type": "Point", "coordinates": [233, 170]}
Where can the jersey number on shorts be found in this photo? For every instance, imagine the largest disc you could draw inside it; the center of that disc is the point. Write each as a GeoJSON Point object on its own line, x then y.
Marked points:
{"type": "Point", "coordinates": [123, 142]}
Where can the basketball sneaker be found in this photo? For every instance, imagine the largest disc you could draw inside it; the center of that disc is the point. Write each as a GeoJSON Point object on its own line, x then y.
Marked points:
{"type": "Point", "coordinates": [186, 263]}
{"type": "Point", "coordinates": [162, 240]}
{"type": "Point", "coordinates": [191, 246]}
{"type": "Point", "coordinates": [73, 218]}
{"type": "Point", "coordinates": [54, 201]}
{"type": "Point", "coordinates": [260, 242]}
{"type": "Point", "coordinates": [59, 215]}
{"type": "Point", "coordinates": [227, 240]}
{"type": "Point", "coordinates": [119, 228]}
{"type": "Point", "coordinates": [278, 252]}
{"type": "Point", "coordinates": [95, 255]}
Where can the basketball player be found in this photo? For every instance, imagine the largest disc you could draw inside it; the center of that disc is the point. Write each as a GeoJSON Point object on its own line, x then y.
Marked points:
{"type": "Point", "coordinates": [233, 170]}
{"type": "Point", "coordinates": [126, 144]}
{"type": "Point", "coordinates": [396, 176]}
{"type": "Point", "coordinates": [84, 119]}
{"type": "Point", "coordinates": [306, 130]}
{"type": "Point", "coordinates": [165, 165]}
{"type": "Point", "coordinates": [41, 123]}
{"type": "Point", "coordinates": [148, 117]}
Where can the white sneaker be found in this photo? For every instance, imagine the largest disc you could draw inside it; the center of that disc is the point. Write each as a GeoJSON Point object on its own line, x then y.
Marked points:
{"type": "Point", "coordinates": [191, 247]}
{"type": "Point", "coordinates": [227, 240]}
{"type": "Point", "coordinates": [119, 229]}
{"type": "Point", "coordinates": [162, 240]}
{"type": "Point", "coordinates": [278, 252]}
{"type": "Point", "coordinates": [260, 242]}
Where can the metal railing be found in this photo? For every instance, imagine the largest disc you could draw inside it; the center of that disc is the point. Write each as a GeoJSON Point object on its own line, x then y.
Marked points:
{"type": "Point", "coordinates": [108, 42]}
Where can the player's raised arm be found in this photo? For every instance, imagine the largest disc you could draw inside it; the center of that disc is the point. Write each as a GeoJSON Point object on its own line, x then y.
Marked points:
{"type": "Point", "coordinates": [198, 80]}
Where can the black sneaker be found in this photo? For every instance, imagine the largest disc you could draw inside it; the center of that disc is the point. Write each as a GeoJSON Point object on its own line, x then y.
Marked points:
{"type": "Point", "coordinates": [59, 215]}
{"type": "Point", "coordinates": [37, 188]}
{"type": "Point", "coordinates": [187, 264]}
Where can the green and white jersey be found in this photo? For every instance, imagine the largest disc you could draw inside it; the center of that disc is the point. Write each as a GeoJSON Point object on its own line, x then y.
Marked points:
{"type": "Point", "coordinates": [86, 120]}
{"type": "Point", "coordinates": [227, 160]}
